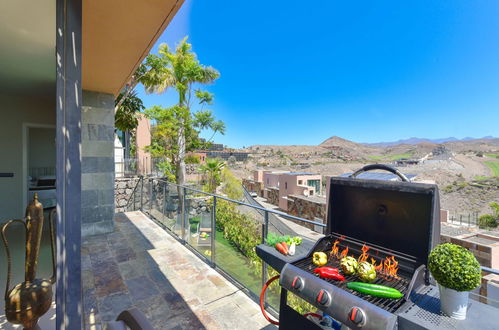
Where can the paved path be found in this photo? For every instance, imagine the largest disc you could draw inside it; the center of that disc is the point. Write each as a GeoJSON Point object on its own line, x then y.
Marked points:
{"type": "Point", "coordinates": [141, 265]}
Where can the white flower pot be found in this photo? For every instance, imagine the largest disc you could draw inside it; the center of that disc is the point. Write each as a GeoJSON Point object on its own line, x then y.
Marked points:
{"type": "Point", "coordinates": [453, 303]}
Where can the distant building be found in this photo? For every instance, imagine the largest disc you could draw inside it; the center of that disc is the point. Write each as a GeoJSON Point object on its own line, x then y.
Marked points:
{"type": "Point", "coordinates": [216, 147]}
{"type": "Point", "coordinates": [288, 183]}
{"type": "Point", "coordinates": [141, 162]}
{"type": "Point", "coordinates": [240, 156]}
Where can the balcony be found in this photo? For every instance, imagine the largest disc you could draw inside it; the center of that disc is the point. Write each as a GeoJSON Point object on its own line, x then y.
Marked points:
{"type": "Point", "coordinates": [140, 265]}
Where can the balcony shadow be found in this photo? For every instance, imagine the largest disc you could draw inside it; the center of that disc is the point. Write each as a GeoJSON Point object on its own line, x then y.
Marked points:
{"type": "Point", "coordinates": [137, 266]}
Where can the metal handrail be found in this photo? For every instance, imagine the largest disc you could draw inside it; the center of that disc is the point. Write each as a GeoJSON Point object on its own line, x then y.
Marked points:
{"type": "Point", "coordinates": [245, 204]}
{"type": "Point", "coordinates": [212, 259]}
{"type": "Point", "coordinates": [490, 270]}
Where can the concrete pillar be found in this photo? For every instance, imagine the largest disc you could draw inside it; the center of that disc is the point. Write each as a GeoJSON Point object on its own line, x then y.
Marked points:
{"type": "Point", "coordinates": [97, 165]}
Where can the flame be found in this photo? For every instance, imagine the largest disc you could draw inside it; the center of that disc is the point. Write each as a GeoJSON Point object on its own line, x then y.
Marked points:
{"type": "Point", "coordinates": [344, 253]}
{"type": "Point", "coordinates": [334, 250]}
{"type": "Point", "coordinates": [364, 255]}
{"type": "Point", "coordinates": [390, 267]}
{"type": "Point", "coordinates": [387, 267]}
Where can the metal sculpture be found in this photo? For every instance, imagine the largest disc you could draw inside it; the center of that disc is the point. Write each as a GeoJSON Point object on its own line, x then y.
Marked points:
{"type": "Point", "coordinates": [26, 302]}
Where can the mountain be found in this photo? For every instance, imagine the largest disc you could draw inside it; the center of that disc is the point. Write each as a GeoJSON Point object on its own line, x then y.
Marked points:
{"type": "Point", "coordinates": [414, 141]}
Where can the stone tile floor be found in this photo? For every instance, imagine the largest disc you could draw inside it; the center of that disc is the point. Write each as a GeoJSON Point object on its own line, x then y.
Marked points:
{"type": "Point", "coordinates": [141, 265]}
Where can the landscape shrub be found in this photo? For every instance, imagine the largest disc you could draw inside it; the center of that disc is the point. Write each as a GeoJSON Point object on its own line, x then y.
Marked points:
{"type": "Point", "coordinates": [242, 231]}
{"type": "Point", "coordinates": [192, 159]}
{"type": "Point", "coordinates": [487, 221]}
{"type": "Point", "coordinates": [490, 220]}
{"type": "Point", "coordinates": [231, 186]}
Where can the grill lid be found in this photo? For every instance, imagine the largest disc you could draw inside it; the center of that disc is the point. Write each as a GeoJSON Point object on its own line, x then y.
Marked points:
{"type": "Point", "coordinates": [400, 216]}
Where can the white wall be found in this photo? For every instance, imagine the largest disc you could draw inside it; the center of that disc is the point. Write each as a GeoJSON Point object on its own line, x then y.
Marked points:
{"type": "Point", "coordinates": [16, 110]}
{"type": "Point", "coordinates": [41, 147]}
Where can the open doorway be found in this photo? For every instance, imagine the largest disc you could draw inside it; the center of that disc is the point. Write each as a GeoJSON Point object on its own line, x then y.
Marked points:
{"type": "Point", "coordinates": [39, 164]}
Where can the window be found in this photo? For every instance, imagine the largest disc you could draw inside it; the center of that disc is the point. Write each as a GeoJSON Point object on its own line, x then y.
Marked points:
{"type": "Point", "coordinates": [286, 185]}
{"type": "Point", "coordinates": [300, 181]}
{"type": "Point", "coordinates": [311, 193]}
{"type": "Point", "coordinates": [316, 184]}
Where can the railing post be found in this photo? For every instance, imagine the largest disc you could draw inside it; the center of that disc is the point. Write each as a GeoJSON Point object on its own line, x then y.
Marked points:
{"type": "Point", "coordinates": [150, 195]}
{"type": "Point", "coordinates": [265, 230]}
{"type": "Point", "coordinates": [213, 230]}
{"type": "Point", "coordinates": [164, 201]}
{"type": "Point", "coordinates": [183, 215]}
{"type": "Point", "coordinates": [141, 193]}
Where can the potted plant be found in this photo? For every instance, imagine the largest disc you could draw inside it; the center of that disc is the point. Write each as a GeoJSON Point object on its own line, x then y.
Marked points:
{"type": "Point", "coordinates": [457, 272]}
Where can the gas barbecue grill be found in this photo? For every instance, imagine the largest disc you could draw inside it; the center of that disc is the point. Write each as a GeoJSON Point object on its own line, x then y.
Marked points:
{"type": "Point", "coordinates": [398, 220]}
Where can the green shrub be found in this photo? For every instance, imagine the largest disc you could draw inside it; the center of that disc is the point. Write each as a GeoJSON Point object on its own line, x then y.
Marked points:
{"type": "Point", "coordinates": [242, 231]}
{"type": "Point", "coordinates": [487, 221]}
{"type": "Point", "coordinates": [231, 186]}
{"type": "Point", "coordinates": [454, 267]}
{"type": "Point", "coordinates": [195, 220]}
{"type": "Point", "coordinates": [192, 159]}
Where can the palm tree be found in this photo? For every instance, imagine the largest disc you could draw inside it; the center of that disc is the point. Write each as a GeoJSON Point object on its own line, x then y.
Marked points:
{"type": "Point", "coordinates": [178, 70]}
{"type": "Point", "coordinates": [213, 170]}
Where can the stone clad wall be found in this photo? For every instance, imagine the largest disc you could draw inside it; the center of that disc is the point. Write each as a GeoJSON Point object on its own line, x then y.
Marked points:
{"type": "Point", "coordinates": [123, 188]}
{"type": "Point", "coordinates": [273, 196]}
{"type": "Point", "coordinates": [97, 164]}
{"type": "Point", "coordinates": [303, 207]}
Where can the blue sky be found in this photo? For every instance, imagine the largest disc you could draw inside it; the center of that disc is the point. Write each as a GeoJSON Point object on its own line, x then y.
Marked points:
{"type": "Point", "coordinates": [295, 72]}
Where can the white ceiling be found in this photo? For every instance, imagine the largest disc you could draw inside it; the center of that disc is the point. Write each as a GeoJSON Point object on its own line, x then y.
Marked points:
{"type": "Point", "coordinates": [27, 46]}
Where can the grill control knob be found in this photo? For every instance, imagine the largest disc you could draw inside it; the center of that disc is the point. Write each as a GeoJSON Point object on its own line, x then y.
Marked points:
{"type": "Point", "coordinates": [357, 316]}
{"type": "Point", "coordinates": [297, 283]}
{"type": "Point", "coordinates": [323, 298]}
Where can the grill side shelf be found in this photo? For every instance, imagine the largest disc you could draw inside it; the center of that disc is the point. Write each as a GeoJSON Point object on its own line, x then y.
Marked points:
{"type": "Point", "coordinates": [275, 259]}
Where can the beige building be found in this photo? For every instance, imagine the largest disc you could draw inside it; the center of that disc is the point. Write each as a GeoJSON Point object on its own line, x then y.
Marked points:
{"type": "Point", "coordinates": [288, 183]}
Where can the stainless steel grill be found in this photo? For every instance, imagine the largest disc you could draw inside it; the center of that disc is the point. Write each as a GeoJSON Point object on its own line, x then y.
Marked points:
{"type": "Point", "coordinates": [392, 218]}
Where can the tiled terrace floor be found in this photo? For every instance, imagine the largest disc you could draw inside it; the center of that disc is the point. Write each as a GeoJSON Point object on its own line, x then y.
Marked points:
{"type": "Point", "coordinates": [141, 265]}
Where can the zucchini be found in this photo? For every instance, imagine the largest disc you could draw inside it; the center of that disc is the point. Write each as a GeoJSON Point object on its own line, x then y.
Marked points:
{"type": "Point", "coordinates": [375, 290]}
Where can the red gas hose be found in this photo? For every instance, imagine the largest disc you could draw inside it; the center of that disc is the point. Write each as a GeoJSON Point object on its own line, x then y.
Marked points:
{"type": "Point", "coordinates": [262, 304]}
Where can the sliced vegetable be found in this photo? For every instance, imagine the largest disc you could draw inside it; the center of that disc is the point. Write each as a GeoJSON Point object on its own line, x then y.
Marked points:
{"type": "Point", "coordinates": [366, 271]}
{"type": "Point", "coordinates": [292, 249]}
{"type": "Point", "coordinates": [349, 265]}
{"type": "Point", "coordinates": [375, 290]}
{"type": "Point", "coordinates": [319, 258]}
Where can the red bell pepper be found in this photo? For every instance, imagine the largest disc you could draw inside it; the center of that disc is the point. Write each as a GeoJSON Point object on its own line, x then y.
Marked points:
{"type": "Point", "coordinates": [328, 269]}
{"type": "Point", "coordinates": [329, 273]}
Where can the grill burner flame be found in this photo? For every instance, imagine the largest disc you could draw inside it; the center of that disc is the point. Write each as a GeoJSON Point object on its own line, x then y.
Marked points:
{"type": "Point", "coordinates": [344, 253]}
{"type": "Point", "coordinates": [364, 255]}
{"type": "Point", "coordinates": [388, 267]}
{"type": "Point", "coordinates": [334, 250]}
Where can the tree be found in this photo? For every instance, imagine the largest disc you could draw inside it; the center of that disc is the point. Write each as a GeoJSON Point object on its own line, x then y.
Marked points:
{"type": "Point", "coordinates": [212, 169]}
{"type": "Point", "coordinates": [128, 108]}
{"type": "Point", "coordinates": [231, 186]}
{"type": "Point", "coordinates": [181, 70]}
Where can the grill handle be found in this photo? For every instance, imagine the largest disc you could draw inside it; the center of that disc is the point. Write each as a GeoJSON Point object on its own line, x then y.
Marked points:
{"type": "Point", "coordinates": [381, 167]}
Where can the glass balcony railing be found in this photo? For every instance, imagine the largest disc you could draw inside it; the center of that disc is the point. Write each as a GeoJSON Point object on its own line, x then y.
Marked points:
{"type": "Point", "coordinates": [221, 231]}
{"type": "Point", "coordinates": [224, 233]}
